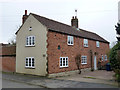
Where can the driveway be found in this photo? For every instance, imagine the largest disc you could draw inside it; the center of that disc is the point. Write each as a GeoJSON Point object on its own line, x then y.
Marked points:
{"type": "Point", "coordinates": [98, 76]}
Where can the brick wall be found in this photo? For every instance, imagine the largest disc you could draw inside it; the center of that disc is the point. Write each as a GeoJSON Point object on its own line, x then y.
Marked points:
{"type": "Point", "coordinates": [55, 39]}
{"type": "Point", "coordinates": [7, 57]}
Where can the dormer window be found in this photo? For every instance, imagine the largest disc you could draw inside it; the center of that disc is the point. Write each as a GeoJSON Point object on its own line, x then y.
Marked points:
{"type": "Point", "coordinates": [30, 29]}
{"type": "Point", "coordinates": [70, 40]}
{"type": "Point", "coordinates": [85, 42]}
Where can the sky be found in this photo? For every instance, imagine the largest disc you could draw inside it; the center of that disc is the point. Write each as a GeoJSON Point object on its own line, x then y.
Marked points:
{"type": "Point", "coordinates": [98, 16]}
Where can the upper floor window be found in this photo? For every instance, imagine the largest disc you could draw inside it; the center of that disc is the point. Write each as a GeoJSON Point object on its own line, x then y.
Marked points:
{"type": "Point", "coordinates": [85, 42]}
{"type": "Point", "coordinates": [97, 44]}
{"type": "Point", "coordinates": [63, 61]}
{"type": "Point", "coordinates": [83, 59]}
{"type": "Point", "coordinates": [105, 57]}
{"type": "Point", "coordinates": [70, 40]}
{"type": "Point", "coordinates": [30, 62]}
{"type": "Point", "coordinates": [30, 41]}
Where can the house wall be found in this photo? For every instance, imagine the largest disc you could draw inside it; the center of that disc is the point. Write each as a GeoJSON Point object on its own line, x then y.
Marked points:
{"type": "Point", "coordinates": [55, 39]}
{"type": "Point", "coordinates": [7, 58]}
{"type": "Point", "coordinates": [38, 51]}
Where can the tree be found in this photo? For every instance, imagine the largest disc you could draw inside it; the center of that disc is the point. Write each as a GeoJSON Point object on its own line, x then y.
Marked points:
{"type": "Point", "coordinates": [118, 31]}
{"type": "Point", "coordinates": [12, 41]}
{"type": "Point", "coordinates": [114, 57]}
{"type": "Point", "coordinates": [78, 62]}
{"type": "Point", "coordinates": [115, 64]}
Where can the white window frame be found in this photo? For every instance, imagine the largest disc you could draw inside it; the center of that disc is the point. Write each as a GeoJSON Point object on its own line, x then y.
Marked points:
{"type": "Point", "coordinates": [97, 44]}
{"type": "Point", "coordinates": [83, 59]}
{"type": "Point", "coordinates": [85, 42]}
{"type": "Point", "coordinates": [70, 40]}
{"type": "Point", "coordinates": [29, 63]}
{"type": "Point", "coordinates": [30, 41]}
{"type": "Point", "coordinates": [105, 57]}
{"type": "Point", "coordinates": [102, 58]}
{"type": "Point", "coordinates": [62, 60]}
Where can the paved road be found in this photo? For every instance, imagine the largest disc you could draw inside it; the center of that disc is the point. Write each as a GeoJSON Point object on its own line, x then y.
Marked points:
{"type": "Point", "coordinates": [48, 82]}
{"type": "Point", "coordinates": [17, 84]}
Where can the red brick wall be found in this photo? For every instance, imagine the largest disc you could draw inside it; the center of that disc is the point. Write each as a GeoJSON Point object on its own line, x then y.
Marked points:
{"type": "Point", "coordinates": [8, 50]}
{"type": "Point", "coordinates": [8, 64]}
{"type": "Point", "coordinates": [7, 58]}
{"type": "Point", "coordinates": [55, 39]}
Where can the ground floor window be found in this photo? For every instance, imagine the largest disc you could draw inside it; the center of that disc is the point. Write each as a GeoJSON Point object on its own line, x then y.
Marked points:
{"type": "Point", "coordinates": [63, 61]}
{"type": "Point", "coordinates": [30, 62]}
{"type": "Point", "coordinates": [105, 57]}
{"type": "Point", "coordinates": [83, 59]}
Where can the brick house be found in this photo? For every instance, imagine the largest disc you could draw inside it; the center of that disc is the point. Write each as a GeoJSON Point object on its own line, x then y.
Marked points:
{"type": "Point", "coordinates": [7, 57]}
{"type": "Point", "coordinates": [46, 47]}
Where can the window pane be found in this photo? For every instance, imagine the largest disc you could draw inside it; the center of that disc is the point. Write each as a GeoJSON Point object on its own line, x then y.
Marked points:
{"type": "Point", "coordinates": [29, 61]}
{"type": "Point", "coordinates": [66, 62]}
{"type": "Point", "coordinates": [29, 40]}
{"type": "Point", "coordinates": [85, 42]}
{"type": "Point", "coordinates": [26, 62]}
{"type": "Point", "coordinates": [68, 39]}
{"type": "Point", "coordinates": [60, 62]}
{"type": "Point", "coordinates": [32, 62]}
{"type": "Point", "coordinates": [33, 40]}
{"type": "Point", "coordinates": [71, 39]}
{"type": "Point", "coordinates": [63, 61]}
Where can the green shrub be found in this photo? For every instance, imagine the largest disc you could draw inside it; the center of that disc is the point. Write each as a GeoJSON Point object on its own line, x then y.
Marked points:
{"type": "Point", "coordinates": [115, 63]}
{"type": "Point", "coordinates": [114, 57]}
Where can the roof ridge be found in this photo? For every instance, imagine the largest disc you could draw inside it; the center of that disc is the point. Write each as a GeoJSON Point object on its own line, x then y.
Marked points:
{"type": "Point", "coordinates": [51, 19]}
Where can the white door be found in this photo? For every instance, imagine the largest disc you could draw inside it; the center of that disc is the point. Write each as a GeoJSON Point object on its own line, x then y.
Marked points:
{"type": "Point", "coordinates": [95, 63]}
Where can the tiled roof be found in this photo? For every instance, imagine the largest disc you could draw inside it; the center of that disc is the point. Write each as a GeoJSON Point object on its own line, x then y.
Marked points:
{"type": "Point", "coordinates": [66, 29]}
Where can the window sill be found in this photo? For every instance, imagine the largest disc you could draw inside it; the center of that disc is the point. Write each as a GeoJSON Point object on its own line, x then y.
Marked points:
{"type": "Point", "coordinates": [30, 67]}
{"type": "Point", "coordinates": [70, 44]}
{"type": "Point", "coordinates": [63, 66]}
{"type": "Point", "coordinates": [29, 45]}
{"type": "Point", "coordinates": [85, 46]}
{"type": "Point", "coordinates": [84, 63]}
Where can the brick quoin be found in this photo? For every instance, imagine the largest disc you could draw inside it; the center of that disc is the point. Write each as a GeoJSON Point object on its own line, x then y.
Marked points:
{"type": "Point", "coordinates": [55, 39]}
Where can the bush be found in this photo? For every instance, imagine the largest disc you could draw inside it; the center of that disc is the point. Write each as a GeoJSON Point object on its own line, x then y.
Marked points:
{"type": "Point", "coordinates": [114, 58]}
{"type": "Point", "coordinates": [115, 63]}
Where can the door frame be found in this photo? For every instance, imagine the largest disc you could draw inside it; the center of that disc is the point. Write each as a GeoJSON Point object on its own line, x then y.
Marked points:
{"type": "Point", "coordinates": [95, 62]}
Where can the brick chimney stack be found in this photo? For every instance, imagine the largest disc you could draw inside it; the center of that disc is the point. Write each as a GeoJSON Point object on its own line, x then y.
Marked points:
{"type": "Point", "coordinates": [74, 22]}
{"type": "Point", "coordinates": [24, 17]}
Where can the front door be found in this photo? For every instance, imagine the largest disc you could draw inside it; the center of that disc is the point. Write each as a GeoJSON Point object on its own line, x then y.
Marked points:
{"type": "Point", "coordinates": [95, 63]}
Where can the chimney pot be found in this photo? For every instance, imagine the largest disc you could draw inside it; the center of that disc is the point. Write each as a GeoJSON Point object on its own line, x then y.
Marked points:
{"type": "Point", "coordinates": [73, 17]}
{"type": "Point", "coordinates": [25, 12]}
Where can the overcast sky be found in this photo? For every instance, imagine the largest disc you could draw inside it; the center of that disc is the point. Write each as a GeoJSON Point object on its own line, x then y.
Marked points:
{"type": "Point", "coordinates": [99, 16]}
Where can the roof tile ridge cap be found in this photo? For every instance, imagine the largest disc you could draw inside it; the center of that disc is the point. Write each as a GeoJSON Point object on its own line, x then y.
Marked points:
{"type": "Point", "coordinates": [51, 20]}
